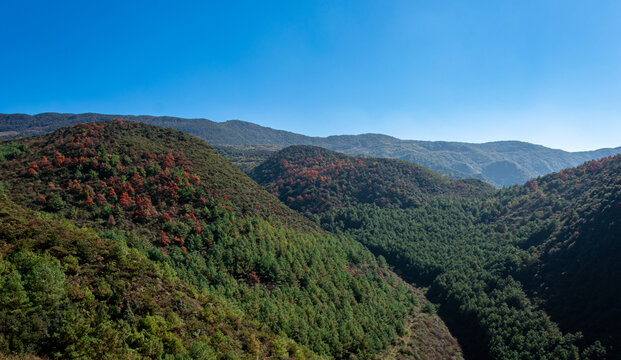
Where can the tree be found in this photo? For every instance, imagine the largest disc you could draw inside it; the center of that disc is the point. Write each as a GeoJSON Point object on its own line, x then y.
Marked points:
{"type": "Point", "coordinates": [125, 201]}
{"type": "Point", "coordinates": [89, 201]}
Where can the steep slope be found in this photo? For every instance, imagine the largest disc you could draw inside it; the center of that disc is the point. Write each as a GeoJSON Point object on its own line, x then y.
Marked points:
{"type": "Point", "coordinates": [163, 166]}
{"type": "Point", "coordinates": [501, 163]}
{"type": "Point", "coordinates": [575, 263]}
{"type": "Point", "coordinates": [495, 262]}
{"type": "Point", "coordinates": [312, 179]}
{"type": "Point", "coordinates": [66, 293]}
{"type": "Point", "coordinates": [178, 202]}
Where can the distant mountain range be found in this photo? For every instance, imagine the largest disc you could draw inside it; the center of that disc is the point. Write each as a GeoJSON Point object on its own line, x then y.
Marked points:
{"type": "Point", "coordinates": [501, 163]}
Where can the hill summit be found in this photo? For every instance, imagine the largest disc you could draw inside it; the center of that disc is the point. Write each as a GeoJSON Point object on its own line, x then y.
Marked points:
{"type": "Point", "coordinates": [312, 179]}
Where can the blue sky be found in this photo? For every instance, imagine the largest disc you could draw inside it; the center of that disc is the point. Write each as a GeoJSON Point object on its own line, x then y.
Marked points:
{"type": "Point", "coordinates": [547, 72]}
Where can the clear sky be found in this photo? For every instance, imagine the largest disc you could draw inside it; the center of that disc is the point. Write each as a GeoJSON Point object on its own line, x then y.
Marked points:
{"type": "Point", "coordinates": [547, 72]}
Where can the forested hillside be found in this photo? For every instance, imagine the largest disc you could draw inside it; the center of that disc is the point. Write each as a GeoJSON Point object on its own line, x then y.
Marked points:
{"type": "Point", "coordinates": [312, 180]}
{"type": "Point", "coordinates": [502, 163]}
{"type": "Point", "coordinates": [506, 269]}
{"type": "Point", "coordinates": [67, 293]}
{"type": "Point", "coordinates": [179, 205]}
{"type": "Point", "coordinates": [576, 248]}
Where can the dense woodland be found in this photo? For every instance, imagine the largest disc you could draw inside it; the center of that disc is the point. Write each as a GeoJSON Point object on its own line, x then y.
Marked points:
{"type": "Point", "coordinates": [124, 240]}
{"type": "Point", "coordinates": [313, 180]}
{"type": "Point", "coordinates": [67, 293]}
{"type": "Point", "coordinates": [529, 272]}
{"type": "Point", "coordinates": [178, 211]}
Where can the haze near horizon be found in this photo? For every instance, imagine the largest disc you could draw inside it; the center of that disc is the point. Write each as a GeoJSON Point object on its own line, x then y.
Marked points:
{"type": "Point", "coordinates": [545, 73]}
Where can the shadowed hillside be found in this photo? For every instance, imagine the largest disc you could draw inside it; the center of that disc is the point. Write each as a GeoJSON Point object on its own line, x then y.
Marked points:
{"type": "Point", "coordinates": [493, 263]}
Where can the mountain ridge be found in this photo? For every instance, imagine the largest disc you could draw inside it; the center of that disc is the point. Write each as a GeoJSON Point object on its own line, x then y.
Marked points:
{"type": "Point", "coordinates": [500, 163]}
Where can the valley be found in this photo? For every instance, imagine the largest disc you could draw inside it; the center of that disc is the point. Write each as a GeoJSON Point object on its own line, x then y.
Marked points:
{"type": "Point", "coordinates": [495, 261]}
{"type": "Point", "coordinates": [191, 212]}
{"type": "Point", "coordinates": [151, 241]}
{"type": "Point", "coordinates": [310, 180]}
